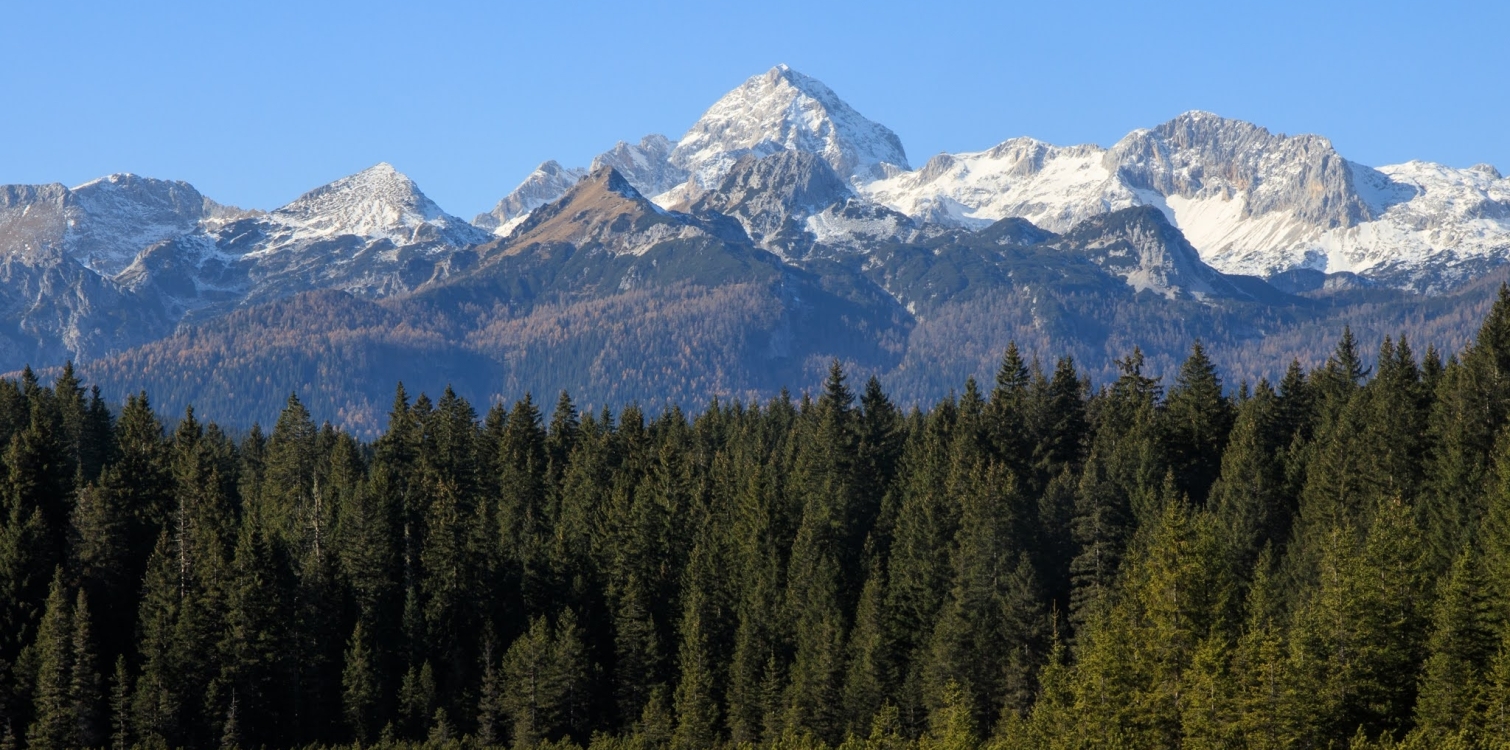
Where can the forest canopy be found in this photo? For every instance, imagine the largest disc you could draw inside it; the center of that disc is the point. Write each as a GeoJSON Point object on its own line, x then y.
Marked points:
{"type": "Point", "coordinates": [1031, 563]}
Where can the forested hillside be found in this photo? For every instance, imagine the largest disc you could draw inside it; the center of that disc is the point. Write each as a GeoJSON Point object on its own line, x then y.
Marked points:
{"type": "Point", "coordinates": [1032, 563]}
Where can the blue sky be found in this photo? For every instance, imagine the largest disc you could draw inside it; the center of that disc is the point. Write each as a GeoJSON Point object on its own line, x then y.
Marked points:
{"type": "Point", "coordinates": [255, 103]}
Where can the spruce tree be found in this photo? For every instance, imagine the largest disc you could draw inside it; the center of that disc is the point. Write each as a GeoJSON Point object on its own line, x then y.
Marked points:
{"type": "Point", "coordinates": [120, 706]}
{"type": "Point", "coordinates": [1461, 645]}
{"type": "Point", "coordinates": [86, 687]}
{"type": "Point", "coordinates": [1249, 498]}
{"type": "Point", "coordinates": [359, 688]}
{"type": "Point", "coordinates": [53, 718]}
{"type": "Point", "coordinates": [871, 672]}
{"type": "Point", "coordinates": [696, 698]}
{"type": "Point", "coordinates": [1197, 418]}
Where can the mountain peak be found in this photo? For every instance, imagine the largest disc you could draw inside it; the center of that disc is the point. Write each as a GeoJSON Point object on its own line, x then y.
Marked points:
{"type": "Point", "coordinates": [602, 212]}
{"type": "Point", "coordinates": [1140, 245]}
{"type": "Point", "coordinates": [612, 180]}
{"type": "Point", "coordinates": [379, 201]}
{"type": "Point", "coordinates": [783, 109]}
{"type": "Point", "coordinates": [553, 168]}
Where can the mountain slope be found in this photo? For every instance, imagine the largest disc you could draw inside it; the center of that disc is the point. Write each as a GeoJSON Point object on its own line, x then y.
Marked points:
{"type": "Point", "coordinates": [1140, 246]}
{"type": "Point", "coordinates": [603, 213]}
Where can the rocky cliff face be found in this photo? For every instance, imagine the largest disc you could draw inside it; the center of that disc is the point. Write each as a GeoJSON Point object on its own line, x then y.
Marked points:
{"type": "Point", "coordinates": [103, 224]}
{"type": "Point", "coordinates": [1141, 246]}
{"type": "Point", "coordinates": [645, 165]}
{"type": "Point", "coordinates": [772, 197]}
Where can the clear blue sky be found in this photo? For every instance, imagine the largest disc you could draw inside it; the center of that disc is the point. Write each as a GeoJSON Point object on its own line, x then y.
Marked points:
{"type": "Point", "coordinates": [255, 103]}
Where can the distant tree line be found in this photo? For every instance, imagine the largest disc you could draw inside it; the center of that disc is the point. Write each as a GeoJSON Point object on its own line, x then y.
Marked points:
{"type": "Point", "coordinates": [1321, 562]}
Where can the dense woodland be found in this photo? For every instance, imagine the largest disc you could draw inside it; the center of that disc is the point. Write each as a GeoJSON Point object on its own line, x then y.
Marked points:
{"type": "Point", "coordinates": [1034, 563]}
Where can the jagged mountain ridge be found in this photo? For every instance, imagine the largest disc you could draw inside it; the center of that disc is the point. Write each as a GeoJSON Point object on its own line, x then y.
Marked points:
{"type": "Point", "coordinates": [1252, 202]}
{"type": "Point", "coordinates": [1249, 200]}
{"type": "Point", "coordinates": [124, 259]}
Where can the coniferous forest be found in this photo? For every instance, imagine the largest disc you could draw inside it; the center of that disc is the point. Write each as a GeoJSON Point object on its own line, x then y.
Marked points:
{"type": "Point", "coordinates": [1033, 563]}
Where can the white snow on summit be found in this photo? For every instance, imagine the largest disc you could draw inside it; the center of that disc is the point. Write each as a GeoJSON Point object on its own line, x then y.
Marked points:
{"type": "Point", "coordinates": [378, 202]}
{"type": "Point", "coordinates": [1054, 187]}
{"type": "Point", "coordinates": [784, 109]}
{"type": "Point", "coordinates": [1251, 202]}
{"type": "Point", "coordinates": [547, 183]}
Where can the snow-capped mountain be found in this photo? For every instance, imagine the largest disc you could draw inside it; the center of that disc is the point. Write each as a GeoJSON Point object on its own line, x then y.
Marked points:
{"type": "Point", "coordinates": [779, 110]}
{"type": "Point", "coordinates": [782, 109]}
{"type": "Point", "coordinates": [1053, 187]}
{"type": "Point", "coordinates": [378, 203]}
{"type": "Point", "coordinates": [373, 233]}
{"type": "Point", "coordinates": [773, 196]}
{"type": "Point", "coordinates": [645, 165]}
{"type": "Point", "coordinates": [1252, 202]}
{"type": "Point", "coordinates": [104, 223]}
{"type": "Point", "coordinates": [548, 182]}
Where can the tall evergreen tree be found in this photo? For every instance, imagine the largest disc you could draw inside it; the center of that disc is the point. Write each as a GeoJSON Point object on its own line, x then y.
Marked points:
{"type": "Point", "coordinates": [1461, 645]}
{"type": "Point", "coordinates": [53, 716]}
{"type": "Point", "coordinates": [85, 687]}
{"type": "Point", "coordinates": [1197, 419]}
{"type": "Point", "coordinates": [360, 689]}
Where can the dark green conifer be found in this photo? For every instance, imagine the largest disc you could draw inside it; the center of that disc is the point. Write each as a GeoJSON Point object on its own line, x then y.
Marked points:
{"type": "Point", "coordinates": [1197, 419]}
{"type": "Point", "coordinates": [53, 723]}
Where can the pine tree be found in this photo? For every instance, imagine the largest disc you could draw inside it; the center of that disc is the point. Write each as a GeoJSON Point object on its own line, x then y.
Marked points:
{"type": "Point", "coordinates": [416, 699]}
{"type": "Point", "coordinates": [1059, 421]}
{"type": "Point", "coordinates": [359, 688]}
{"type": "Point", "coordinates": [287, 501]}
{"type": "Point", "coordinates": [637, 648]}
{"type": "Point", "coordinates": [522, 511]}
{"type": "Point", "coordinates": [871, 672]}
{"type": "Point", "coordinates": [1493, 533]}
{"type": "Point", "coordinates": [545, 672]}
{"type": "Point", "coordinates": [918, 570]}
{"type": "Point", "coordinates": [120, 706]}
{"type": "Point", "coordinates": [1461, 644]}
{"type": "Point", "coordinates": [1008, 412]}
{"type": "Point", "coordinates": [989, 637]}
{"type": "Point", "coordinates": [1197, 419]}
{"type": "Point", "coordinates": [879, 454]}
{"type": "Point", "coordinates": [490, 698]}
{"type": "Point", "coordinates": [53, 717]}
{"type": "Point", "coordinates": [1257, 671]}
{"type": "Point", "coordinates": [1101, 528]}
{"type": "Point", "coordinates": [1496, 698]}
{"type": "Point", "coordinates": [696, 689]}
{"type": "Point", "coordinates": [1357, 635]}
{"type": "Point", "coordinates": [1249, 498]}
{"type": "Point", "coordinates": [255, 643]}
{"type": "Point", "coordinates": [85, 689]}
{"type": "Point", "coordinates": [157, 703]}
{"type": "Point", "coordinates": [952, 724]}
{"type": "Point", "coordinates": [758, 564]}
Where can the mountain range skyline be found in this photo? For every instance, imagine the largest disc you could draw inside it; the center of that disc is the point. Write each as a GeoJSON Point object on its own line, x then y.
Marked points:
{"type": "Point", "coordinates": [315, 103]}
{"type": "Point", "coordinates": [514, 182]}
{"type": "Point", "coordinates": [1416, 225]}
{"type": "Point", "coordinates": [781, 230]}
